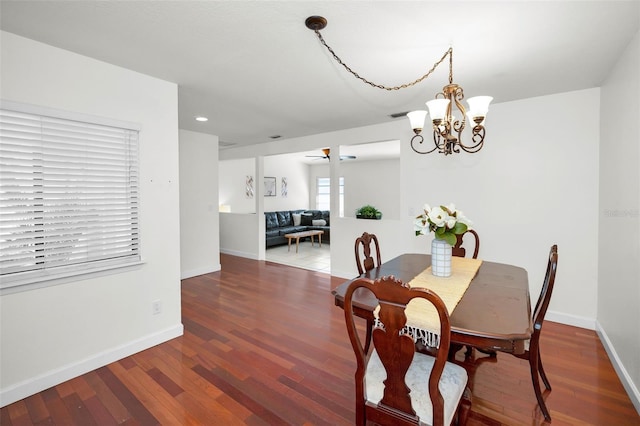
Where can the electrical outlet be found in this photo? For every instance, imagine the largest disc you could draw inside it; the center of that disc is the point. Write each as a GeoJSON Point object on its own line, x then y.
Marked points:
{"type": "Point", "coordinates": [156, 307]}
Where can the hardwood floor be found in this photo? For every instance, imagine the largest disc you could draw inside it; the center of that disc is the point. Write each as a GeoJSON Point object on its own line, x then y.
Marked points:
{"type": "Point", "coordinates": [256, 352]}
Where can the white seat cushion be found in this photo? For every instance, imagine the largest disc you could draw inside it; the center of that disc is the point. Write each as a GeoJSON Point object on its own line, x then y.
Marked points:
{"type": "Point", "coordinates": [452, 385]}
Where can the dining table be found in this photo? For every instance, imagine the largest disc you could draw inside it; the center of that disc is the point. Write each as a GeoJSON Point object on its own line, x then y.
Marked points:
{"type": "Point", "coordinates": [494, 313]}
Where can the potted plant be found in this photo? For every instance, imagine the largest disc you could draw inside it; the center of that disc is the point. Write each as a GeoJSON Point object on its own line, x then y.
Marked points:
{"type": "Point", "coordinates": [368, 212]}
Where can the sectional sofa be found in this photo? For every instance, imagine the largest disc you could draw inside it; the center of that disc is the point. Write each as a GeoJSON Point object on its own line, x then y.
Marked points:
{"type": "Point", "coordinates": [279, 223]}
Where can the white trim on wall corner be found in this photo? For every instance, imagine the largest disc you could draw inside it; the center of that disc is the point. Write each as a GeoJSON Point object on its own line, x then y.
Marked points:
{"type": "Point", "coordinates": [573, 320]}
{"type": "Point", "coordinates": [200, 271]}
{"type": "Point", "coordinates": [52, 378]}
{"type": "Point", "coordinates": [623, 375]}
{"type": "Point", "coordinates": [239, 253]}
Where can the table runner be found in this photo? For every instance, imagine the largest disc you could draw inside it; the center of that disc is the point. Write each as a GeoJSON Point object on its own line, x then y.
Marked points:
{"type": "Point", "coordinates": [422, 319]}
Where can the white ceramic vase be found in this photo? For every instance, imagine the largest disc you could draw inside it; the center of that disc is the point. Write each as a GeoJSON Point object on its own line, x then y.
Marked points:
{"type": "Point", "coordinates": [440, 258]}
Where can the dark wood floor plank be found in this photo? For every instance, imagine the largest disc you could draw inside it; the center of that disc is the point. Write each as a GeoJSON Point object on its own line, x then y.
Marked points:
{"type": "Point", "coordinates": [126, 396]}
{"type": "Point", "coordinates": [239, 396]}
{"type": "Point", "coordinates": [65, 389]}
{"type": "Point", "coordinates": [37, 408]}
{"type": "Point", "coordinates": [17, 410]}
{"type": "Point", "coordinates": [152, 396]}
{"type": "Point", "coordinates": [82, 388]}
{"type": "Point", "coordinates": [332, 404]}
{"type": "Point", "coordinates": [22, 420]}
{"type": "Point", "coordinates": [163, 380]}
{"type": "Point", "coordinates": [202, 391]}
{"type": "Point", "coordinates": [128, 362]}
{"type": "Point", "coordinates": [204, 401]}
{"type": "Point", "coordinates": [5, 417]}
{"type": "Point", "coordinates": [107, 398]}
{"type": "Point", "coordinates": [59, 412]}
{"type": "Point", "coordinates": [78, 411]}
{"type": "Point", "coordinates": [99, 412]}
{"type": "Point", "coordinates": [181, 372]}
{"type": "Point", "coordinates": [253, 354]}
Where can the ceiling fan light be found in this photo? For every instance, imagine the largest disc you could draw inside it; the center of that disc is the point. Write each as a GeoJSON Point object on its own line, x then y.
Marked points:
{"type": "Point", "coordinates": [479, 106]}
{"type": "Point", "coordinates": [416, 119]}
{"type": "Point", "coordinates": [438, 108]}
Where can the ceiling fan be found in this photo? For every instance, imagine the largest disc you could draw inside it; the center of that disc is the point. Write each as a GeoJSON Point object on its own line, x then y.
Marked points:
{"type": "Point", "coordinates": [327, 155]}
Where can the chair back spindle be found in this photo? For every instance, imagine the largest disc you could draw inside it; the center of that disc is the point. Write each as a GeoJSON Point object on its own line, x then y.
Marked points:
{"type": "Point", "coordinates": [364, 259]}
{"type": "Point", "coordinates": [459, 251]}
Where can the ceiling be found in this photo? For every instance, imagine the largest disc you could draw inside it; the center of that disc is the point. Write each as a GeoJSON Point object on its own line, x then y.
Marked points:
{"type": "Point", "coordinates": [372, 151]}
{"type": "Point", "coordinates": [256, 71]}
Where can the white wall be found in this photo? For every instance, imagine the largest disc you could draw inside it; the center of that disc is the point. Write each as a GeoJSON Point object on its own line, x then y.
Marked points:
{"type": "Point", "coordinates": [240, 235]}
{"type": "Point", "coordinates": [297, 175]}
{"type": "Point", "coordinates": [365, 182]}
{"type": "Point", "coordinates": [199, 225]}
{"type": "Point", "coordinates": [619, 214]}
{"type": "Point", "coordinates": [232, 177]}
{"type": "Point", "coordinates": [372, 182]}
{"type": "Point", "coordinates": [55, 333]}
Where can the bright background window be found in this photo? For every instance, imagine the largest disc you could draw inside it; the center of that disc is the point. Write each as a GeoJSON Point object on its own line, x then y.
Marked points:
{"type": "Point", "coordinates": [323, 194]}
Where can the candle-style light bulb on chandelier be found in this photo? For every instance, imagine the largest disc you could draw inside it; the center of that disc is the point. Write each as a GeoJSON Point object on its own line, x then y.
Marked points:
{"type": "Point", "coordinates": [447, 127]}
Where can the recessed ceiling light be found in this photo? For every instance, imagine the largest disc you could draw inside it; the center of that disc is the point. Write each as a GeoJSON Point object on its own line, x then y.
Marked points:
{"type": "Point", "coordinates": [201, 118]}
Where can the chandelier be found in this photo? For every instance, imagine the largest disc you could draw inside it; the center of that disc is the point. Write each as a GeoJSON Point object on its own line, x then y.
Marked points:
{"type": "Point", "coordinates": [447, 127]}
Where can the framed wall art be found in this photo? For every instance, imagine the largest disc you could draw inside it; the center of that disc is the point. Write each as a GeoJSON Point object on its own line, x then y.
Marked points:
{"type": "Point", "coordinates": [249, 187]}
{"type": "Point", "coordinates": [269, 187]}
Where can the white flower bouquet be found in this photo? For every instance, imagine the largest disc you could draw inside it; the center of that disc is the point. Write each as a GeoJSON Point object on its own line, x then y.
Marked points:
{"type": "Point", "coordinates": [444, 221]}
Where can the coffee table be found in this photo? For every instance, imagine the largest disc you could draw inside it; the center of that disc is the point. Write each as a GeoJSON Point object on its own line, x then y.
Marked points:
{"type": "Point", "coordinates": [298, 235]}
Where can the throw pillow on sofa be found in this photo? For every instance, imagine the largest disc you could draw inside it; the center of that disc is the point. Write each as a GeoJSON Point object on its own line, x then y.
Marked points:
{"type": "Point", "coordinates": [325, 215]}
{"type": "Point", "coordinates": [306, 220]}
{"type": "Point", "coordinates": [319, 222]}
{"type": "Point", "coordinates": [297, 218]}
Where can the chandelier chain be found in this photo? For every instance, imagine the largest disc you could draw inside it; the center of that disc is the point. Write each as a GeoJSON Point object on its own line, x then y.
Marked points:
{"type": "Point", "coordinates": [382, 86]}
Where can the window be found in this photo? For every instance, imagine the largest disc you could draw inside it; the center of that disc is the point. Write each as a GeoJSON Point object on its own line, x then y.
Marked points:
{"type": "Point", "coordinates": [323, 194]}
{"type": "Point", "coordinates": [68, 195]}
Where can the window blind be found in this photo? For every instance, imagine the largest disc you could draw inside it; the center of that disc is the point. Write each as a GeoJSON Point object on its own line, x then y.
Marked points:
{"type": "Point", "coordinates": [68, 196]}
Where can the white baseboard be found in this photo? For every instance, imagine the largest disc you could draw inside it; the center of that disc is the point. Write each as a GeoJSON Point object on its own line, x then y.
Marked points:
{"type": "Point", "coordinates": [37, 384]}
{"type": "Point", "coordinates": [199, 271]}
{"type": "Point", "coordinates": [568, 319]}
{"type": "Point", "coordinates": [625, 378]}
{"type": "Point", "coordinates": [239, 253]}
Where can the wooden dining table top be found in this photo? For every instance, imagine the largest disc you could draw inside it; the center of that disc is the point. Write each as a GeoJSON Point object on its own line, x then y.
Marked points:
{"type": "Point", "coordinates": [494, 312]}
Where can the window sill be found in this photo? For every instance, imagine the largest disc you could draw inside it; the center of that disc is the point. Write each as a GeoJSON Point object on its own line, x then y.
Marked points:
{"type": "Point", "coordinates": [17, 286]}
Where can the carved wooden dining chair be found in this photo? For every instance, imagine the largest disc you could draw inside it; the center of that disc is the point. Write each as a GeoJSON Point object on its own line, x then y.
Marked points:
{"type": "Point", "coordinates": [532, 346]}
{"type": "Point", "coordinates": [460, 251]}
{"type": "Point", "coordinates": [395, 385]}
{"type": "Point", "coordinates": [364, 260]}
{"type": "Point", "coordinates": [532, 350]}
